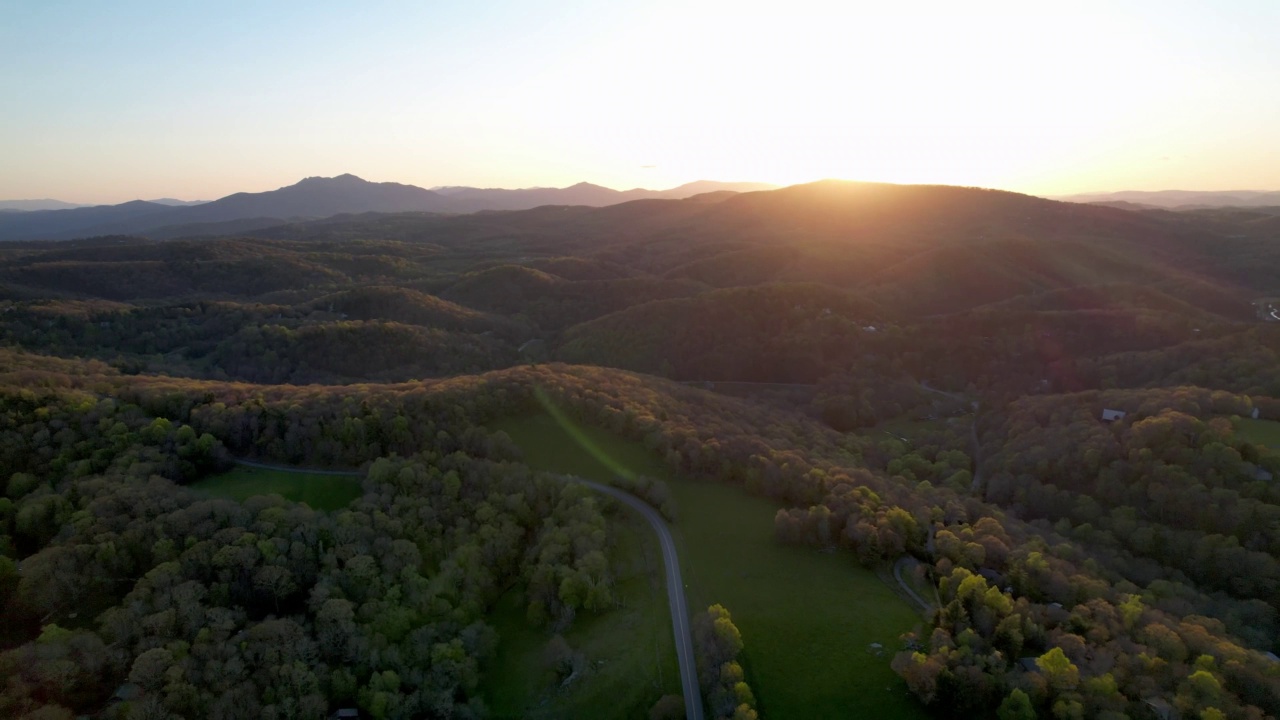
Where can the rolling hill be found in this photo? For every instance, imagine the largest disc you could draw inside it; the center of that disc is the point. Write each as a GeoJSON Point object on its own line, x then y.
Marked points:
{"type": "Point", "coordinates": [768, 333]}
{"type": "Point", "coordinates": [1181, 199]}
{"type": "Point", "coordinates": [313, 197]}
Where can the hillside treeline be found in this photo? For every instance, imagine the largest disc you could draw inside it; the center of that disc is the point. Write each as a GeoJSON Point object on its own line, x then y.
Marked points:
{"type": "Point", "coordinates": [1083, 568]}
{"type": "Point", "coordinates": [127, 594]}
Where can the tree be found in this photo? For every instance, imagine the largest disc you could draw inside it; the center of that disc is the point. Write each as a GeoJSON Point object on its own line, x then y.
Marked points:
{"type": "Point", "coordinates": [668, 707]}
{"type": "Point", "coordinates": [149, 668]}
{"type": "Point", "coordinates": [1058, 669]}
{"type": "Point", "coordinates": [1017, 706]}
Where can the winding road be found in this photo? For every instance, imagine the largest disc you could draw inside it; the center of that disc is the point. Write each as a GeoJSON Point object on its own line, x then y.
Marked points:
{"type": "Point", "coordinates": [299, 470]}
{"type": "Point", "coordinates": [675, 596]}
{"type": "Point", "coordinates": [670, 561]}
{"type": "Point", "coordinates": [925, 605]}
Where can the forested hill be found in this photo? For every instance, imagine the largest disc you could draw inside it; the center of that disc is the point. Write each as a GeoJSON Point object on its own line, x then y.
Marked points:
{"type": "Point", "coordinates": [316, 197]}
{"type": "Point", "coordinates": [1057, 422]}
{"type": "Point", "coordinates": [1067, 588]}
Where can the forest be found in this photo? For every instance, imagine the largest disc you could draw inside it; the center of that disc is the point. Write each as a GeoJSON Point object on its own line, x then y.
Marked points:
{"type": "Point", "coordinates": [1063, 416]}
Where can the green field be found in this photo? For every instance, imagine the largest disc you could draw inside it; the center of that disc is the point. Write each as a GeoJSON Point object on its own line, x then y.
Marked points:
{"type": "Point", "coordinates": [630, 657]}
{"type": "Point", "coordinates": [629, 649]}
{"type": "Point", "coordinates": [807, 618]}
{"type": "Point", "coordinates": [1259, 432]}
{"type": "Point", "coordinates": [322, 492]}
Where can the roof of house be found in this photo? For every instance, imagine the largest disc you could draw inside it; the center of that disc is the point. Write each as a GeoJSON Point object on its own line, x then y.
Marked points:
{"type": "Point", "coordinates": [128, 691]}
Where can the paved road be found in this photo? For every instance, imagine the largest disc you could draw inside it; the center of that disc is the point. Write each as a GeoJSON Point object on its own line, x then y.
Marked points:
{"type": "Point", "coordinates": [897, 575]}
{"type": "Point", "coordinates": [675, 597]}
{"type": "Point", "coordinates": [675, 585]}
{"type": "Point", "coordinates": [293, 469]}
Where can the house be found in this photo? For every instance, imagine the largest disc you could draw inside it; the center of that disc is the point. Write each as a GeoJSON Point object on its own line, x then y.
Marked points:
{"type": "Point", "coordinates": [128, 691]}
{"type": "Point", "coordinates": [1162, 709]}
{"type": "Point", "coordinates": [345, 713]}
{"type": "Point", "coordinates": [1109, 415]}
{"type": "Point", "coordinates": [1028, 664]}
{"type": "Point", "coordinates": [534, 350]}
{"type": "Point", "coordinates": [1271, 656]}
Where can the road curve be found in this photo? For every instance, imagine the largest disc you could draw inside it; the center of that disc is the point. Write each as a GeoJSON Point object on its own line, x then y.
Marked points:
{"type": "Point", "coordinates": [675, 596]}
{"type": "Point", "coordinates": [897, 575]}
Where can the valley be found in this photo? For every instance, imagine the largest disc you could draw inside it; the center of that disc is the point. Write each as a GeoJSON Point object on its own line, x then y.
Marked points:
{"type": "Point", "coordinates": [1056, 420]}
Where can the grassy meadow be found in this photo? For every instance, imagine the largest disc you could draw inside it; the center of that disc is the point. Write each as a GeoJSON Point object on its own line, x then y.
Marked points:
{"type": "Point", "coordinates": [321, 492]}
{"type": "Point", "coordinates": [629, 653]}
{"type": "Point", "coordinates": [807, 618]}
{"type": "Point", "coordinates": [1259, 432]}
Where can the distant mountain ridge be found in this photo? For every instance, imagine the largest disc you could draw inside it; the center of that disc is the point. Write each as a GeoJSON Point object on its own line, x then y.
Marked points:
{"type": "Point", "coordinates": [33, 205]}
{"type": "Point", "coordinates": [319, 197]}
{"type": "Point", "coordinates": [174, 202]}
{"type": "Point", "coordinates": [1180, 199]}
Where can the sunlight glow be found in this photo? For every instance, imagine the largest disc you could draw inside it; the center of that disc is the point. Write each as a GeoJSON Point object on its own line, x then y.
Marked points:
{"type": "Point", "coordinates": [1029, 96]}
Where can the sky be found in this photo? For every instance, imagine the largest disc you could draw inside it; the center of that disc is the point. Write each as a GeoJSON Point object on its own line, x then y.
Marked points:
{"type": "Point", "coordinates": [114, 101]}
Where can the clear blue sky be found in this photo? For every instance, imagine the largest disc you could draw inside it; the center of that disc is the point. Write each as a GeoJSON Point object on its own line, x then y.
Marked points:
{"type": "Point", "coordinates": [110, 101]}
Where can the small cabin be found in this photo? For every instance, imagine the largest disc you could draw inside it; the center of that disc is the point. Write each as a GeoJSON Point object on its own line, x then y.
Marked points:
{"type": "Point", "coordinates": [1162, 709]}
{"type": "Point", "coordinates": [1109, 415]}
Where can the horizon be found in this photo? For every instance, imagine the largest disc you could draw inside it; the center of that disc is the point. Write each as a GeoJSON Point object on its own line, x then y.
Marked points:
{"type": "Point", "coordinates": [146, 100]}
{"type": "Point", "coordinates": [433, 188]}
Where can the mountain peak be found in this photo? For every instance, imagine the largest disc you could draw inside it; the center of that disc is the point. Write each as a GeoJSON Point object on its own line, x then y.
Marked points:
{"type": "Point", "coordinates": [343, 179]}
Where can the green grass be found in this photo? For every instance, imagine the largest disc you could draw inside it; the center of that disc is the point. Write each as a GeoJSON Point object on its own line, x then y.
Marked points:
{"type": "Point", "coordinates": [807, 618]}
{"type": "Point", "coordinates": [322, 492]}
{"type": "Point", "coordinates": [1259, 432]}
{"type": "Point", "coordinates": [630, 656]}
{"type": "Point", "coordinates": [629, 649]}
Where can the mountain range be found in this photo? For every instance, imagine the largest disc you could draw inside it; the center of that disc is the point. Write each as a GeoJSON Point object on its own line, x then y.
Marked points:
{"type": "Point", "coordinates": [1180, 199]}
{"type": "Point", "coordinates": [313, 198]}
{"type": "Point", "coordinates": [50, 204]}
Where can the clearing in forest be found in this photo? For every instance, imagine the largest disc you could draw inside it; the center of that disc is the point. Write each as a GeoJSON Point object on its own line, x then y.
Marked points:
{"type": "Point", "coordinates": [321, 492]}
{"type": "Point", "coordinates": [1259, 432]}
{"type": "Point", "coordinates": [808, 619]}
{"type": "Point", "coordinates": [623, 660]}
{"type": "Point", "coordinates": [626, 655]}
